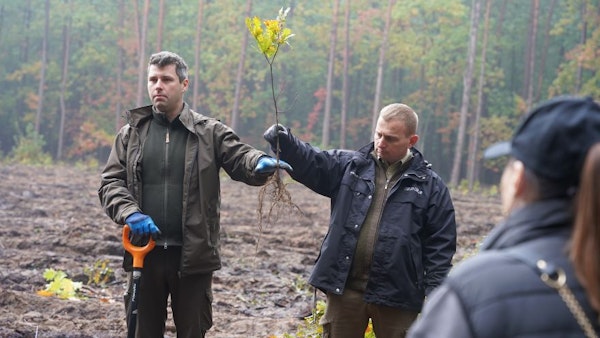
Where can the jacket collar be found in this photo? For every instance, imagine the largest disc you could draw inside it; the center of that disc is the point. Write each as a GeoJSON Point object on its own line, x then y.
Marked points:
{"type": "Point", "coordinates": [138, 115]}
{"type": "Point", "coordinates": [418, 165]}
{"type": "Point", "coordinates": [188, 117]}
{"type": "Point", "coordinates": [530, 222]}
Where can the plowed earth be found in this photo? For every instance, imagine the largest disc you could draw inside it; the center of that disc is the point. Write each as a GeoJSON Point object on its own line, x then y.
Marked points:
{"type": "Point", "coordinates": [50, 217]}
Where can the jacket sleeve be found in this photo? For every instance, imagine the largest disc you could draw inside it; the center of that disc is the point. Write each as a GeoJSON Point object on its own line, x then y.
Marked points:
{"type": "Point", "coordinates": [321, 171]}
{"type": "Point", "coordinates": [443, 316]}
{"type": "Point", "coordinates": [115, 198]}
{"type": "Point", "coordinates": [439, 237]}
{"type": "Point", "coordinates": [237, 158]}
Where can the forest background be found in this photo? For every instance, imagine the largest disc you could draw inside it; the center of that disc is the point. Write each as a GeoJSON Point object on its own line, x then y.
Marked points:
{"type": "Point", "coordinates": [470, 68]}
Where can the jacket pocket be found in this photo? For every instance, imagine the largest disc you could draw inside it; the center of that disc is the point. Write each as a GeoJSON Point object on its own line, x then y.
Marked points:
{"type": "Point", "coordinates": [356, 184]}
{"type": "Point", "coordinates": [213, 229]}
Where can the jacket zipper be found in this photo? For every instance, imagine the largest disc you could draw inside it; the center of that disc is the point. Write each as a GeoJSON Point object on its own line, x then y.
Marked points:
{"type": "Point", "coordinates": [383, 202]}
{"type": "Point", "coordinates": [137, 189]}
{"type": "Point", "coordinates": [165, 185]}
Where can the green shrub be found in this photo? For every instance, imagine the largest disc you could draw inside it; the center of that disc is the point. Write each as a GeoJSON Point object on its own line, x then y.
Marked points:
{"type": "Point", "coordinates": [99, 274]}
{"type": "Point", "coordinates": [59, 285]}
{"type": "Point", "coordinates": [29, 149]}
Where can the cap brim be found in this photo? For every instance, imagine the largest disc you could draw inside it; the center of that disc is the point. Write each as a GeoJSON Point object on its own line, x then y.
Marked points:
{"type": "Point", "coordinates": [497, 150]}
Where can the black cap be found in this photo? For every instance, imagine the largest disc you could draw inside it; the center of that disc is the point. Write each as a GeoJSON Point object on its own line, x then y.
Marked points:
{"type": "Point", "coordinates": [554, 138]}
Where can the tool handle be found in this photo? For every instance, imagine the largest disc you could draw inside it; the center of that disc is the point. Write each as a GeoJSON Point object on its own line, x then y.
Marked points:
{"type": "Point", "coordinates": [138, 252]}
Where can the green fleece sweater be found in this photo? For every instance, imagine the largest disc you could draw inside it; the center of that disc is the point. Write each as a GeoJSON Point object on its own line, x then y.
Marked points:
{"type": "Point", "coordinates": [162, 177]}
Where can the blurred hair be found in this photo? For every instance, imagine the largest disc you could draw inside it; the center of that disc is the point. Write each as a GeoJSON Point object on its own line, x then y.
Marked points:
{"type": "Point", "coordinates": [401, 112]}
{"type": "Point", "coordinates": [585, 240]}
{"type": "Point", "coordinates": [165, 58]}
{"type": "Point", "coordinates": [540, 188]}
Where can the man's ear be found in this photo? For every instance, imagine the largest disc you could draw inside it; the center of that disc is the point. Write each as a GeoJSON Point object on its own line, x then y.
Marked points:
{"type": "Point", "coordinates": [512, 186]}
{"type": "Point", "coordinates": [519, 178]}
{"type": "Point", "coordinates": [413, 140]}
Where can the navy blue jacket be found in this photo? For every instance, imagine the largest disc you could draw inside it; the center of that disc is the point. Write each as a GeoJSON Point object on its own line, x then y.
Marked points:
{"type": "Point", "coordinates": [417, 231]}
{"type": "Point", "coordinates": [495, 294]}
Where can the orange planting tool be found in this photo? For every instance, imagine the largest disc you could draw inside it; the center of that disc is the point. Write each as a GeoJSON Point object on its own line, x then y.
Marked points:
{"type": "Point", "coordinates": [138, 253]}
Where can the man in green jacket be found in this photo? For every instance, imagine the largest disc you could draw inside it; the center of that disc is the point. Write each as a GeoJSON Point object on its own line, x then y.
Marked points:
{"type": "Point", "coordinates": [162, 179]}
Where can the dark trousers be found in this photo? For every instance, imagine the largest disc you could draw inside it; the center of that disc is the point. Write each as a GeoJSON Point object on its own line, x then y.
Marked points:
{"type": "Point", "coordinates": [191, 297]}
{"type": "Point", "coordinates": [347, 316]}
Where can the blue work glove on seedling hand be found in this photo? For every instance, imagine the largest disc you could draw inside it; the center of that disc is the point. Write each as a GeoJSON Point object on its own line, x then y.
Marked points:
{"type": "Point", "coordinates": [268, 165]}
{"type": "Point", "coordinates": [141, 224]}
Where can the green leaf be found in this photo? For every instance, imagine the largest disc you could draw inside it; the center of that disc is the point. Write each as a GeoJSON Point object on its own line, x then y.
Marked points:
{"type": "Point", "coordinates": [60, 285]}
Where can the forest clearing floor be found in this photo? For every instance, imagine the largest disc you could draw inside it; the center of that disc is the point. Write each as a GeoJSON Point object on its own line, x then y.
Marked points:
{"type": "Point", "coordinates": [50, 217]}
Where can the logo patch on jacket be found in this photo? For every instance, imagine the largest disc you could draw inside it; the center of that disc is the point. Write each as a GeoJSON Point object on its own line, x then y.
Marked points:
{"type": "Point", "coordinates": [415, 189]}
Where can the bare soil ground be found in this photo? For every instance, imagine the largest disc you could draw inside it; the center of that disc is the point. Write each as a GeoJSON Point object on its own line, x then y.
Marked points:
{"type": "Point", "coordinates": [50, 217]}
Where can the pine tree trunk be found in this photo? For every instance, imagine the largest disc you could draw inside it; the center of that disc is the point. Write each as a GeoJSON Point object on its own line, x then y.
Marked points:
{"type": "Point", "coordinates": [382, 52]}
{"type": "Point", "coordinates": [197, 50]}
{"type": "Point", "coordinates": [330, 65]}
{"type": "Point", "coordinates": [120, 65]}
{"type": "Point", "coordinates": [160, 25]}
{"type": "Point", "coordinates": [530, 69]}
{"type": "Point", "coordinates": [235, 112]}
{"type": "Point", "coordinates": [346, 61]}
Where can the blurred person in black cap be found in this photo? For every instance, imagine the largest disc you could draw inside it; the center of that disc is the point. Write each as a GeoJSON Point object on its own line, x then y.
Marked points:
{"type": "Point", "coordinates": [538, 273]}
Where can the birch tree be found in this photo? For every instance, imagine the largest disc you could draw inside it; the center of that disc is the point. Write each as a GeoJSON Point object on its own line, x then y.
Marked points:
{"type": "Point", "coordinates": [467, 83]}
{"type": "Point", "coordinates": [472, 156]}
{"type": "Point", "coordinates": [43, 66]}
{"type": "Point", "coordinates": [63, 83]}
{"type": "Point", "coordinates": [143, 30]}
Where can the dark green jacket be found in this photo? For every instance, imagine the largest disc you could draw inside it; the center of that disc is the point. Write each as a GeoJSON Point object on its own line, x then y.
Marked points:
{"type": "Point", "coordinates": [211, 145]}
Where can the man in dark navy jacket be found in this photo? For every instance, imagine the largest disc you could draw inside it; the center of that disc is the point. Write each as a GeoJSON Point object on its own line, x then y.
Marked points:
{"type": "Point", "coordinates": [392, 232]}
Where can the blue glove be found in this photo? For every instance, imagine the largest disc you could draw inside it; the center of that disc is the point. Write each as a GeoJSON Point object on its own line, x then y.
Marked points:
{"type": "Point", "coordinates": [268, 165]}
{"type": "Point", "coordinates": [141, 224]}
{"type": "Point", "coordinates": [273, 133]}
